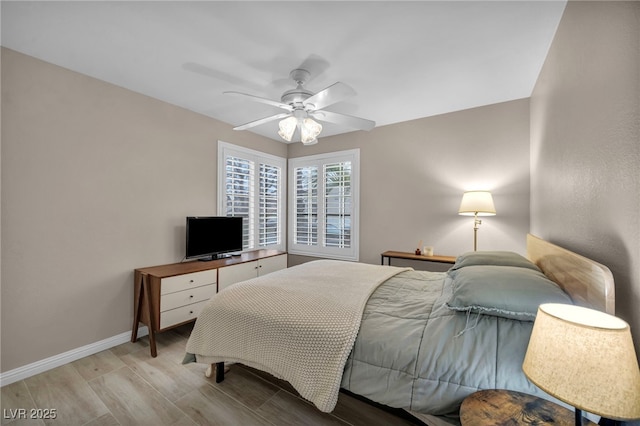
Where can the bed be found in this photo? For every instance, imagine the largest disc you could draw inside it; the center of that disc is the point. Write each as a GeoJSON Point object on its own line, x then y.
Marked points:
{"type": "Point", "coordinates": [416, 340]}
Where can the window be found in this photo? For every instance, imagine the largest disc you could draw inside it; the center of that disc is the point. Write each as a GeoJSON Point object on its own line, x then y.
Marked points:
{"type": "Point", "coordinates": [251, 185]}
{"type": "Point", "coordinates": [323, 205]}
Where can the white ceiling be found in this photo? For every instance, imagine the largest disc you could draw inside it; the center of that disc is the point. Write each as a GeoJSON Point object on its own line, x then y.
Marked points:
{"type": "Point", "coordinates": [405, 60]}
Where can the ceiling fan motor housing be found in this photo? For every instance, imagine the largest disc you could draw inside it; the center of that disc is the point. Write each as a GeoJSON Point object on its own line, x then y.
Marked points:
{"type": "Point", "coordinates": [296, 97]}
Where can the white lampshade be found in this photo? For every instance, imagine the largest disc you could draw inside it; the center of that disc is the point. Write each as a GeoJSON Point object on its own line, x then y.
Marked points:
{"type": "Point", "coordinates": [310, 130]}
{"type": "Point", "coordinates": [287, 128]}
{"type": "Point", "coordinates": [585, 358]}
{"type": "Point", "coordinates": [477, 202]}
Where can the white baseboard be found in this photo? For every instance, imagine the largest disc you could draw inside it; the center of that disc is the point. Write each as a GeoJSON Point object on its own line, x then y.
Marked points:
{"type": "Point", "coordinates": [41, 366]}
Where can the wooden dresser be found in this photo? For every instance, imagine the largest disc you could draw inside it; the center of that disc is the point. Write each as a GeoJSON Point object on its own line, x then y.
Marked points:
{"type": "Point", "coordinates": [167, 296]}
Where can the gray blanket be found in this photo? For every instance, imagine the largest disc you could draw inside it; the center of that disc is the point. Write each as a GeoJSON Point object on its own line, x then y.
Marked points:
{"type": "Point", "coordinates": [414, 353]}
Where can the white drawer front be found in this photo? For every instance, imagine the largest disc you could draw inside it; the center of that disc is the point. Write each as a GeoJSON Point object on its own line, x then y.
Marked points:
{"type": "Point", "coordinates": [186, 297]}
{"type": "Point", "coordinates": [182, 314]}
{"type": "Point", "coordinates": [187, 281]}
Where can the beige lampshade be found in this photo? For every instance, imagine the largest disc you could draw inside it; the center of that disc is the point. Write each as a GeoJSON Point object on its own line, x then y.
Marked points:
{"type": "Point", "coordinates": [586, 359]}
{"type": "Point", "coordinates": [479, 202]}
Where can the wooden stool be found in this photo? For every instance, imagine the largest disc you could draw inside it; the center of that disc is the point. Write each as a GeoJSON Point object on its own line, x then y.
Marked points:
{"type": "Point", "coordinates": [503, 407]}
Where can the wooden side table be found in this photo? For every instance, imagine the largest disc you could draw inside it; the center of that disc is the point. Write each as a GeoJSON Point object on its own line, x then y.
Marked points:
{"type": "Point", "coordinates": [412, 256]}
{"type": "Point", "coordinates": [503, 407]}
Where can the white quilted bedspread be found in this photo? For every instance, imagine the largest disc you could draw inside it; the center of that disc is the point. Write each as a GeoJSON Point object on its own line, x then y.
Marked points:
{"type": "Point", "coordinates": [298, 324]}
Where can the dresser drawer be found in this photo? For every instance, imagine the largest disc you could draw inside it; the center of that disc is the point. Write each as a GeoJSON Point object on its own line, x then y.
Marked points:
{"type": "Point", "coordinates": [187, 281]}
{"type": "Point", "coordinates": [186, 297]}
{"type": "Point", "coordinates": [182, 314]}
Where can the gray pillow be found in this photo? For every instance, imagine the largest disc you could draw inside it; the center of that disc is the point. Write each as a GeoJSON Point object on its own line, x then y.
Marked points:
{"type": "Point", "coordinates": [504, 291]}
{"type": "Point", "coordinates": [498, 258]}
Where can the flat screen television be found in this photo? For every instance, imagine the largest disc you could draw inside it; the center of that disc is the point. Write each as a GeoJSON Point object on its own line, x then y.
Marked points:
{"type": "Point", "coordinates": [211, 237]}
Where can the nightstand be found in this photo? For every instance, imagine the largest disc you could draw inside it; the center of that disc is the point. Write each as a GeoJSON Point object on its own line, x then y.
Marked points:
{"type": "Point", "coordinates": [411, 256]}
{"type": "Point", "coordinates": [503, 407]}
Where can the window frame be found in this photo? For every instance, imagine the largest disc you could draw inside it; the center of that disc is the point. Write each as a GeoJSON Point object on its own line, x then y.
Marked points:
{"type": "Point", "coordinates": [257, 157]}
{"type": "Point", "coordinates": [351, 253]}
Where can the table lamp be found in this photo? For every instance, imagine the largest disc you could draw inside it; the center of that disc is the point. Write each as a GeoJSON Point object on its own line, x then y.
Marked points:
{"type": "Point", "coordinates": [476, 203]}
{"type": "Point", "coordinates": [586, 359]}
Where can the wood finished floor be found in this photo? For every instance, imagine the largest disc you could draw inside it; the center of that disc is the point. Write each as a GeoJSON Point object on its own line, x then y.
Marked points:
{"type": "Point", "coordinates": [126, 386]}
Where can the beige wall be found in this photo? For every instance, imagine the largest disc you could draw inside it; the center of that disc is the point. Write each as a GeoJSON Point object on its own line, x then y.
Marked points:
{"type": "Point", "coordinates": [413, 175]}
{"type": "Point", "coordinates": [96, 181]}
{"type": "Point", "coordinates": [585, 143]}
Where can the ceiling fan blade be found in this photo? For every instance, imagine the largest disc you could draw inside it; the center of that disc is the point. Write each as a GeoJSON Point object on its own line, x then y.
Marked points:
{"type": "Point", "coordinates": [263, 100]}
{"type": "Point", "coordinates": [220, 75]}
{"type": "Point", "coordinates": [261, 121]}
{"type": "Point", "coordinates": [330, 95]}
{"type": "Point", "coordinates": [344, 120]}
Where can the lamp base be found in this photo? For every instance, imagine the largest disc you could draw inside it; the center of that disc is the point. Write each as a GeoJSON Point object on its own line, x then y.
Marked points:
{"type": "Point", "coordinates": [578, 416]}
{"type": "Point", "coordinates": [476, 224]}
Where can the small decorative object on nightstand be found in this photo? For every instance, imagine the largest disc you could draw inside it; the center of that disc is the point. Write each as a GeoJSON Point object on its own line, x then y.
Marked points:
{"type": "Point", "coordinates": [503, 407]}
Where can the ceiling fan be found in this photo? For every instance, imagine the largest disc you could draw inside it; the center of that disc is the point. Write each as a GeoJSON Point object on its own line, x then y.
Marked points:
{"type": "Point", "coordinates": [303, 106]}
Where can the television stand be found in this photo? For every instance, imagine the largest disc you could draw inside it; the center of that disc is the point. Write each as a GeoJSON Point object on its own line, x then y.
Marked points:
{"type": "Point", "coordinates": [167, 296]}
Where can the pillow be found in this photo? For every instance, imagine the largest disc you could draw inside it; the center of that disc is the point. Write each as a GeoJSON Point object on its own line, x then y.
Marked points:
{"type": "Point", "coordinates": [504, 291]}
{"type": "Point", "coordinates": [499, 258]}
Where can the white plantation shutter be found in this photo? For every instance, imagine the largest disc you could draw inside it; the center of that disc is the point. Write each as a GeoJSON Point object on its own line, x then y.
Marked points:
{"type": "Point", "coordinates": [306, 205]}
{"type": "Point", "coordinates": [239, 179]}
{"type": "Point", "coordinates": [251, 185]}
{"type": "Point", "coordinates": [323, 212]}
{"type": "Point", "coordinates": [337, 199]}
{"type": "Point", "coordinates": [269, 219]}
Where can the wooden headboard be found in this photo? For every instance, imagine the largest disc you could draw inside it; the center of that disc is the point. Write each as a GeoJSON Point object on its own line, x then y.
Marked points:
{"type": "Point", "coordinates": [589, 283]}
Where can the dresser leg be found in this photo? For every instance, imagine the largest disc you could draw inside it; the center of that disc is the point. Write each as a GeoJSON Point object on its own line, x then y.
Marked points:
{"type": "Point", "coordinates": [137, 305]}
{"type": "Point", "coordinates": [152, 319]}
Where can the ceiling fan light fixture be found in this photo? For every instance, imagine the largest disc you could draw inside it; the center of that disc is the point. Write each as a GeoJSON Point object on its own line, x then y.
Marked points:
{"type": "Point", "coordinates": [300, 104]}
{"type": "Point", "coordinates": [310, 130]}
{"type": "Point", "coordinates": [287, 128]}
